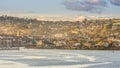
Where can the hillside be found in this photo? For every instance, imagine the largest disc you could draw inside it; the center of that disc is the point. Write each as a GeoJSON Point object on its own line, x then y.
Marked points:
{"type": "Point", "coordinates": [64, 34]}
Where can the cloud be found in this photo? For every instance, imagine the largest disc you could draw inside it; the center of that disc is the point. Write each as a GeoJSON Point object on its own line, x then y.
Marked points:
{"type": "Point", "coordinates": [115, 2]}
{"type": "Point", "coordinates": [95, 6]}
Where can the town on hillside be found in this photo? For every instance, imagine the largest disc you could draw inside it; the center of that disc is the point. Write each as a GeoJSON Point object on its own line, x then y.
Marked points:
{"type": "Point", "coordinates": [99, 34]}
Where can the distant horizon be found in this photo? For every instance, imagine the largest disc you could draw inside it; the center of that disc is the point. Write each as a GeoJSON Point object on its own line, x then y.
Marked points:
{"type": "Point", "coordinates": [53, 17]}
{"type": "Point", "coordinates": [60, 8]}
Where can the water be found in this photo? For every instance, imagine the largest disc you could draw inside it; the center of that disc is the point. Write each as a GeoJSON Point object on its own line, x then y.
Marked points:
{"type": "Point", "coordinates": [46, 58]}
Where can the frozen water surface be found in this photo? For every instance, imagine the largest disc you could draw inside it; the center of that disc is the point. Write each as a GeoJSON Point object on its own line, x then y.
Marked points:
{"type": "Point", "coordinates": [46, 58]}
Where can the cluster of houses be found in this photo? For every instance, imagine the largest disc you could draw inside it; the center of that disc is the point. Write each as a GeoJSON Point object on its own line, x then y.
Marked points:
{"type": "Point", "coordinates": [66, 35]}
{"type": "Point", "coordinates": [8, 41]}
{"type": "Point", "coordinates": [86, 36]}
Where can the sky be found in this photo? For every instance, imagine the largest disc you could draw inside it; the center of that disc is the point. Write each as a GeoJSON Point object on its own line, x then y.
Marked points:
{"type": "Point", "coordinates": [60, 8]}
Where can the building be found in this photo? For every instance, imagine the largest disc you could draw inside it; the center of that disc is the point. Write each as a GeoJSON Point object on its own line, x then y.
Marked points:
{"type": "Point", "coordinates": [11, 41]}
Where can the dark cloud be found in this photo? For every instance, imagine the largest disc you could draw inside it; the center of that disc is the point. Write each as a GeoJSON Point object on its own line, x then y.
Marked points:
{"type": "Point", "coordinates": [95, 6]}
{"type": "Point", "coordinates": [115, 2]}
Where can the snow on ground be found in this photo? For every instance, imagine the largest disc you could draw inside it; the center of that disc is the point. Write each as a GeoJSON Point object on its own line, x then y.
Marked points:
{"type": "Point", "coordinates": [10, 64]}
{"type": "Point", "coordinates": [43, 58]}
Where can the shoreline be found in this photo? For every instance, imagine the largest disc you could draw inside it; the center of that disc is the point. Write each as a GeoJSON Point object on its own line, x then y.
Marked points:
{"type": "Point", "coordinates": [75, 49]}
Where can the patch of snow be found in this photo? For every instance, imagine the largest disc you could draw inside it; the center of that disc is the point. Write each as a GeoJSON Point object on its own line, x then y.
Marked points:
{"type": "Point", "coordinates": [90, 58]}
{"type": "Point", "coordinates": [35, 57]}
